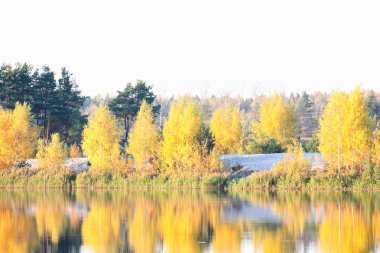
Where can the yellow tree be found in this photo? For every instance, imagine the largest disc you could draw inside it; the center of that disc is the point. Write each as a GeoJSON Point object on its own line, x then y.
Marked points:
{"type": "Point", "coordinates": [101, 139]}
{"type": "Point", "coordinates": [358, 128]}
{"type": "Point", "coordinates": [51, 155]}
{"type": "Point", "coordinates": [17, 135]}
{"type": "Point", "coordinates": [331, 135]}
{"type": "Point", "coordinates": [277, 120]}
{"type": "Point", "coordinates": [144, 137]}
{"type": "Point", "coordinates": [226, 128]}
{"type": "Point", "coordinates": [376, 146]}
{"type": "Point", "coordinates": [180, 148]}
{"type": "Point", "coordinates": [344, 132]}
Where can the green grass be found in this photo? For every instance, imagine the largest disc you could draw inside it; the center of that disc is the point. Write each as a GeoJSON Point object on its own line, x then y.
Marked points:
{"type": "Point", "coordinates": [24, 177]}
{"type": "Point", "coordinates": [151, 180]}
{"type": "Point", "coordinates": [270, 180]}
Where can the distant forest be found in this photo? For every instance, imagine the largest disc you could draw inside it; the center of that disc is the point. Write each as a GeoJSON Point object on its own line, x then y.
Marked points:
{"type": "Point", "coordinates": [59, 106]}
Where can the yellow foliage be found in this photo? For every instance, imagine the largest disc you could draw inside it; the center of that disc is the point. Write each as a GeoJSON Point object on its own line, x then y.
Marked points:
{"type": "Point", "coordinates": [50, 220]}
{"type": "Point", "coordinates": [51, 155]}
{"type": "Point", "coordinates": [343, 229]}
{"type": "Point", "coordinates": [17, 136]}
{"type": "Point", "coordinates": [376, 146]}
{"type": "Point", "coordinates": [227, 238]}
{"type": "Point", "coordinates": [180, 149]}
{"type": "Point", "coordinates": [144, 137]}
{"type": "Point", "coordinates": [142, 228]}
{"type": "Point", "coordinates": [277, 120]}
{"type": "Point", "coordinates": [75, 151]}
{"type": "Point", "coordinates": [226, 128]}
{"type": "Point", "coordinates": [344, 134]}
{"type": "Point", "coordinates": [294, 162]}
{"type": "Point", "coordinates": [101, 229]}
{"type": "Point", "coordinates": [101, 139]}
{"type": "Point", "coordinates": [17, 232]}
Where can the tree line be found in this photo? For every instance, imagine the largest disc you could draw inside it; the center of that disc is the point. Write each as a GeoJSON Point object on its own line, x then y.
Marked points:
{"type": "Point", "coordinates": [138, 130]}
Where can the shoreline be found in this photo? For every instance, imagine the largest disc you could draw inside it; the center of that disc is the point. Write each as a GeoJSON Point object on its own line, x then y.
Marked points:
{"type": "Point", "coordinates": [258, 181]}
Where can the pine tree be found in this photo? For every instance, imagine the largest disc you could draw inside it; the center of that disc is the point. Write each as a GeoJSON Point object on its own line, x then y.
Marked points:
{"type": "Point", "coordinates": [101, 138]}
{"type": "Point", "coordinates": [180, 147]}
{"type": "Point", "coordinates": [68, 121]}
{"type": "Point", "coordinates": [127, 103]}
{"type": "Point", "coordinates": [226, 128]}
{"type": "Point", "coordinates": [45, 102]}
{"type": "Point", "coordinates": [144, 137]}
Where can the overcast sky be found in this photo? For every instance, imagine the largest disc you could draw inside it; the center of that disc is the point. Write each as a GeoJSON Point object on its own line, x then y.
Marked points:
{"type": "Point", "coordinates": [199, 46]}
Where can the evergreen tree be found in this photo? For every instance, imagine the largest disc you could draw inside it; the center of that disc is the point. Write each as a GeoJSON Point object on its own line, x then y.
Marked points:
{"type": "Point", "coordinates": [21, 83]}
{"type": "Point", "coordinates": [69, 121]}
{"type": "Point", "coordinates": [127, 103]}
{"type": "Point", "coordinates": [45, 102]}
{"type": "Point", "coordinates": [6, 73]}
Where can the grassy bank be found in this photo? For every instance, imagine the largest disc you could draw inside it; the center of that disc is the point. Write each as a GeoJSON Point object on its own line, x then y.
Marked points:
{"type": "Point", "coordinates": [266, 180]}
{"type": "Point", "coordinates": [64, 178]}
{"type": "Point", "coordinates": [25, 177]}
{"type": "Point", "coordinates": [272, 180]}
{"type": "Point", "coordinates": [152, 180]}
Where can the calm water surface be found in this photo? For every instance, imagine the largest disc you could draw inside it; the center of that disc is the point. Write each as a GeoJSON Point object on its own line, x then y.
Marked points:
{"type": "Point", "coordinates": [175, 221]}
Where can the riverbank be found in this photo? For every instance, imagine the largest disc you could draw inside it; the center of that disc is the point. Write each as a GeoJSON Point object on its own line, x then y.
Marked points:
{"type": "Point", "coordinates": [315, 180]}
{"type": "Point", "coordinates": [65, 178]}
{"type": "Point", "coordinates": [264, 180]}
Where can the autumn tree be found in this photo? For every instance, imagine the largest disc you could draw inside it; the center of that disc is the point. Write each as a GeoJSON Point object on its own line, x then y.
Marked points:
{"type": "Point", "coordinates": [376, 146]}
{"type": "Point", "coordinates": [180, 147]}
{"type": "Point", "coordinates": [144, 137]}
{"type": "Point", "coordinates": [51, 155]}
{"type": "Point", "coordinates": [101, 138]}
{"type": "Point", "coordinates": [17, 135]}
{"type": "Point", "coordinates": [344, 133]}
{"type": "Point", "coordinates": [277, 120]}
{"type": "Point", "coordinates": [226, 128]}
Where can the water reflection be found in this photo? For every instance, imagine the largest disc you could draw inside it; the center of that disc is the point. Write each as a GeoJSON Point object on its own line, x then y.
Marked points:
{"type": "Point", "coordinates": [162, 221]}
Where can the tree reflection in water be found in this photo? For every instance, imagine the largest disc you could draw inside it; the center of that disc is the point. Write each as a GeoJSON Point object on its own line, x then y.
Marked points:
{"type": "Point", "coordinates": [178, 221]}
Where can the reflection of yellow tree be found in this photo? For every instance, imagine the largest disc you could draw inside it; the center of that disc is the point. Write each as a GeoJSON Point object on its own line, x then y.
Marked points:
{"type": "Point", "coordinates": [376, 226]}
{"type": "Point", "coordinates": [180, 225]}
{"type": "Point", "coordinates": [101, 229]}
{"type": "Point", "coordinates": [343, 229]}
{"type": "Point", "coordinates": [50, 219]}
{"type": "Point", "coordinates": [17, 233]}
{"type": "Point", "coordinates": [142, 227]}
{"type": "Point", "coordinates": [295, 212]}
{"type": "Point", "coordinates": [227, 237]}
{"type": "Point", "coordinates": [272, 240]}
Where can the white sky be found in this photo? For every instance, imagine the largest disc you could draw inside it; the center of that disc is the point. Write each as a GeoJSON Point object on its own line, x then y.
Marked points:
{"type": "Point", "coordinates": [199, 46]}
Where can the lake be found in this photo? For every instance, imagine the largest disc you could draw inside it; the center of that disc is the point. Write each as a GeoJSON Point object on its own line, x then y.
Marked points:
{"type": "Point", "coordinates": [188, 221]}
